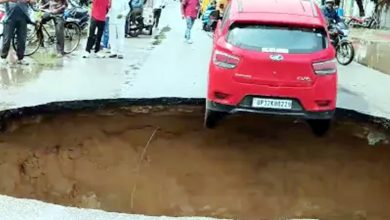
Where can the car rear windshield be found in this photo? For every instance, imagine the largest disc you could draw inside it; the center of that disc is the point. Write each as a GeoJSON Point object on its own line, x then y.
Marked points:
{"type": "Point", "coordinates": [277, 38]}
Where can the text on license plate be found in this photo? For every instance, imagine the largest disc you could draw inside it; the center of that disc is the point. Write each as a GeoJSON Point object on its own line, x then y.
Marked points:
{"type": "Point", "coordinates": [271, 103]}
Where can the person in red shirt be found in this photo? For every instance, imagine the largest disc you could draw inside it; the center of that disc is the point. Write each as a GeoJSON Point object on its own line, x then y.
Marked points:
{"type": "Point", "coordinates": [189, 10]}
{"type": "Point", "coordinates": [100, 9]}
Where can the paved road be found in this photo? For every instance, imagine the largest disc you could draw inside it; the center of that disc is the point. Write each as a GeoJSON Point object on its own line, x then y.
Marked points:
{"type": "Point", "coordinates": [170, 69]}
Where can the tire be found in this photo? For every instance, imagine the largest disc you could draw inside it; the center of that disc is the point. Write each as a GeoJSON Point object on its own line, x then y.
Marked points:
{"type": "Point", "coordinates": [319, 127]}
{"type": "Point", "coordinates": [351, 53]}
{"type": "Point", "coordinates": [150, 31]}
{"type": "Point", "coordinates": [212, 118]}
{"type": "Point", "coordinates": [134, 33]}
{"type": "Point", "coordinates": [33, 41]}
{"type": "Point", "coordinates": [72, 36]}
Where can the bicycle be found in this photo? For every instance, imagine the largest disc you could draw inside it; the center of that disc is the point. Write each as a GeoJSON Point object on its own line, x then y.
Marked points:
{"type": "Point", "coordinates": [38, 36]}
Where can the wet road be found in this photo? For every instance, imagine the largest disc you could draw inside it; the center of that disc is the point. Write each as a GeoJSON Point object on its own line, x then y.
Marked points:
{"type": "Point", "coordinates": [251, 167]}
{"type": "Point", "coordinates": [165, 67]}
{"type": "Point", "coordinates": [74, 78]}
{"type": "Point", "coordinates": [71, 78]}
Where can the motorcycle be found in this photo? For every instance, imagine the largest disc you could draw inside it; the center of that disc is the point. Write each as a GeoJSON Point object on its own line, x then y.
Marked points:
{"type": "Point", "coordinates": [140, 23]}
{"type": "Point", "coordinates": [367, 22]}
{"type": "Point", "coordinates": [76, 13]}
{"type": "Point", "coordinates": [345, 51]}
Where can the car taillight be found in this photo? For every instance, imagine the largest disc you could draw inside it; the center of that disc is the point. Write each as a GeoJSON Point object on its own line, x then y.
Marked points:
{"type": "Point", "coordinates": [325, 68]}
{"type": "Point", "coordinates": [225, 60]}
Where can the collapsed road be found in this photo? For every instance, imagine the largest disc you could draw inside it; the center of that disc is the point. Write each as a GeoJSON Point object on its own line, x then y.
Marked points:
{"type": "Point", "coordinates": [161, 161]}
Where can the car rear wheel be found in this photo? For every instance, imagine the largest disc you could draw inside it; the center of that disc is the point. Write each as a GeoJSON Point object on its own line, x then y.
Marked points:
{"type": "Point", "coordinates": [319, 127]}
{"type": "Point", "coordinates": [212, 118]}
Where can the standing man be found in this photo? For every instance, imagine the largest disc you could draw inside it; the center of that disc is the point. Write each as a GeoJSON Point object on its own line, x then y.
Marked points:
{"type": "Point", "coordinates": [158, 6]}
{"type": "Point", "coordinates": [54, 10]}
{"type": "Point", "coordinates": [15, 22]}
{"type": "Point", "coordinates": [119, 10]}
{"type": "Point", "coordinates": [189, 10]}
{"type": "Point", "coordinates": [100, 9]}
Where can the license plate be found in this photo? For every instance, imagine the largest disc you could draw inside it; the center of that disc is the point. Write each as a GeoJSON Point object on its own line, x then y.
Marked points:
{"type": "Point", "coordinates": [271, 103]}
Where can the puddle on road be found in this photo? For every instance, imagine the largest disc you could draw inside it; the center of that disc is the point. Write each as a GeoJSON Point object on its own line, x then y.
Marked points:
{"type": "Point", "coordinates": [251, 167]}
{"type": "Point", "coordinates": [373, 54]}
{"type": "Point", "coordinates": [18, 75]}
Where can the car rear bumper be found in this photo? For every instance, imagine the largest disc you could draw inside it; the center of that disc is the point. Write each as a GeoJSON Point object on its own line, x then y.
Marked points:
{"type": "Point", "coordinates": [323, 89]}
{"type": "Point", "coordinates": [294, 113]}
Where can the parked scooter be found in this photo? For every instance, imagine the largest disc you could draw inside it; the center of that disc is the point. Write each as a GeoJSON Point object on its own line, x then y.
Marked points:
{"type": "Point", "coordinates": [140, 23]}
{"type": "Point", "coordinates": [77, 14]}
{"type": "Point", "coordinates": [210, 18]}
{"type": "Point", "coordinates": [339, 38]}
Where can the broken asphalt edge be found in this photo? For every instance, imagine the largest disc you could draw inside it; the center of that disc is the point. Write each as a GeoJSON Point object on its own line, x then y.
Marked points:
{"type": "Point", "coordinates": [89, 105]}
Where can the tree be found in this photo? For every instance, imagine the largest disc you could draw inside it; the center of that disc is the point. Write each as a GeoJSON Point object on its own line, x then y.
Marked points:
{"type": "Point", "coordinates": [381, 4]}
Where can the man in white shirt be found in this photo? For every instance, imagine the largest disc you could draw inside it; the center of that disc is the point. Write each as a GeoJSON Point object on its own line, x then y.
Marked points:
{"type": "Point", "coordinates": [158, 5]}
{"type": "Point", "coordinates": [117, 14]}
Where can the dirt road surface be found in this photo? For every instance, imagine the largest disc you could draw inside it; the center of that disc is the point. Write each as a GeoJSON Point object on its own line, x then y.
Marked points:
{"type": "Point", "coordinates": [162, 162]}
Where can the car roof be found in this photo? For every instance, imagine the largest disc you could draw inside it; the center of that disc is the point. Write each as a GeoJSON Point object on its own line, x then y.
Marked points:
{"type": "Point", "coordinates": [300, 12]}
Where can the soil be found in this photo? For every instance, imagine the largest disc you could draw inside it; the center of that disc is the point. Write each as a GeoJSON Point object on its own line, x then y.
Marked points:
{"type": "Point", "coordinates": [161, 161]}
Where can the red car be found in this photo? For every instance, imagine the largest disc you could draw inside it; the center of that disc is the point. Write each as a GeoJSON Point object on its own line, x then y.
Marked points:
{"type": "Point", "coordinates": [273, 57]}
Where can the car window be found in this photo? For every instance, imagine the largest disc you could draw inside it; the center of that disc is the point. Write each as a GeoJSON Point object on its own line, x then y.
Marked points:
{"type": "Point", "coordinates": [225, 16]}
{"type": "Point", "coordinates": [277, 38]}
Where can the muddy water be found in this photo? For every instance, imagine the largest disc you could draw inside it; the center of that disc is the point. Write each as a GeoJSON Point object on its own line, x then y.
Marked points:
{"type": "Point", "coordinates": [251, 167]}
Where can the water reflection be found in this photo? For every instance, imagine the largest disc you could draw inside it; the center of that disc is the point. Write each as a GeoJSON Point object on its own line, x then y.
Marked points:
{"type": "Point", "coordinates": [18, 75]}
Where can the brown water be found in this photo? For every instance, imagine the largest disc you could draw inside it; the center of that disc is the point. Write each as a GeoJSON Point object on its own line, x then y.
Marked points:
{"type": "Point", "coordinates": [251, 167]}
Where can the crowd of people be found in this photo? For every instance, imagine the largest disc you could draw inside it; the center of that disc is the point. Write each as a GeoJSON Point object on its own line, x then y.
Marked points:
{"type": "Point", "coordinates": [111, 37]}
{"type": "Point", "coordinates": [108, 25]}
{"type": "Point", "coordinates": [107, 30]}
